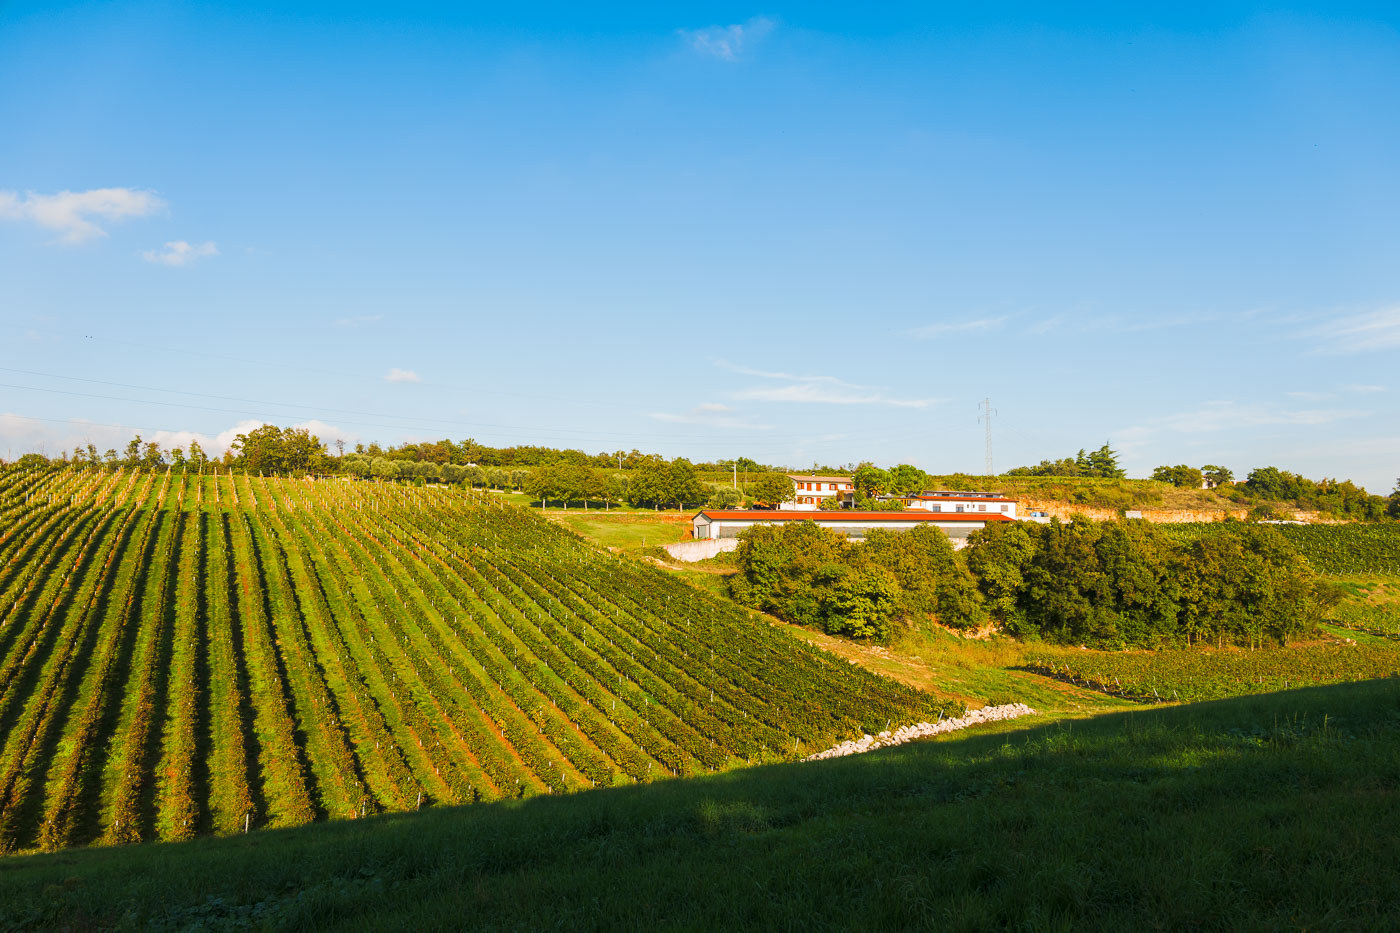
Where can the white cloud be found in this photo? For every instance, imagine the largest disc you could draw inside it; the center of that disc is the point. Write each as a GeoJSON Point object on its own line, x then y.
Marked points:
{"type": "Point", "coordinates": [73, 214]}
{"type": "Point", "coordinates": [826, 390]}
{"type": "Point", "coordinates": [961, 327]}
{"type": "Point", "coordinates": [359, 320]}
{"type": "Point", "coordinates": [713, 406]}
{"type": "Point", "coordinates": [180, 253]}
{"type": "Point", "coordinates": [1363, 390]}
{"type": "Point", "coordinates": [1358, 333]}
{"type": "Point", "coordinates": [402, 375]}
{"type": "Point", "coordinates": [727, 43]}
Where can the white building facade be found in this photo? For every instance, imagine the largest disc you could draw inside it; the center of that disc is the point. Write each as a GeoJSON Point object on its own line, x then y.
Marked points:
{"type": "Point", "coordinates": [961, 503]}
{"type": "Point", "coordinates": [727, 523]}
{"type": "Point", "coordinates": [809, 491]}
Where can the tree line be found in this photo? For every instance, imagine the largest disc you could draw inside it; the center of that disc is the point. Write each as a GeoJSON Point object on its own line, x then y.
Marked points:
{"type": "Point", "coordinates": [1117, 584]}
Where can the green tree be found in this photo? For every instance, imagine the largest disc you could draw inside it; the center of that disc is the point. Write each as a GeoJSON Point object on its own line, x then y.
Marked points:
{"type": "Point", "coordinates": [259, 450]}
{"type": "Point", "coordinates": [725, 497]}
{"type": "Point", "coordinates": [683, 486]}
{"type": "Point", "coordinates": [871, 481]}
{"type": "Point", "coordinates": [650, 484]}
{"type": "Point", "coordinates": [197, 457]}
{"type": "Point", "coordinates": [771, 489]}
{"type": "Point", "coordinates": [1393, 503]}
{"type": "Point", "coordinates": [860, 602]}
{"type": "Point", "coordinates": [997, 556]}
{"type": "Point", "coordinates": [133, 451]}
{"type": "Point", "coordinates": [1181, 476]}
{"type": "Point", "coordinates": [1104, 463]}
{"type": "Point", "coordinates": [906, 479]}
{"type": "Point", "coordinates": [1246, 586]}
{"type": "Point", "coordinates": [151, 456]}
{"type": "Point", "coordinates": [270, 449]}
{"type": "Point", "coordinates": [1217, 475]}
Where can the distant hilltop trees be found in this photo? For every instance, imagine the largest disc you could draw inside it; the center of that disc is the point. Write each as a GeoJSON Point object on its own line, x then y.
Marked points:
{"type": "Point", "coordinates": [650, 480]}
{"type": "Point", "coordinates": [1101, 464]}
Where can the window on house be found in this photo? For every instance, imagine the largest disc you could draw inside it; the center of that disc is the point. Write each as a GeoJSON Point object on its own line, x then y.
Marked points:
{"type": "Point", "coordinates": [982, 507]}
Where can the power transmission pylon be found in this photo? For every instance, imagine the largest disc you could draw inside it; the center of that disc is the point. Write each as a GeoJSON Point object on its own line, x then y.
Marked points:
{"type": "Point", "coordinates": [986, 419]}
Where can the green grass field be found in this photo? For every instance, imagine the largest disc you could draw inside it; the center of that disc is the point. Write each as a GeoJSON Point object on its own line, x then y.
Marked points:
{"type": "Point", "coordinates": [628, 531]}
{"type": "Point", "coordinates": [1279, 811]}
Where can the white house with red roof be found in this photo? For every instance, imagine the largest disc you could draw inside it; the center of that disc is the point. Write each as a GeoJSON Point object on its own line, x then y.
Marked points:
{"type": "Point", "coordinates": [810, 490]}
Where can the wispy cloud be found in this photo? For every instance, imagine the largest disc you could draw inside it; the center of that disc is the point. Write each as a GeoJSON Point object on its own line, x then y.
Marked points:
{"type": "Point", "coordinates": [727, 43]}
{"type": "Point", "coordinates": [74, 214]}
{"type": "Point", "coordinates": [711, 415]}
{"type": "Point", "coordinates": [945, 328]}
{"type": "Point", "coordinates": [1358, 333]}
{"type": "Point", "coordinates": [1229, 415]}
{"type": "Point", "coordinates": [1353, 389]}
{"type": "Point", "coordinates": [359, 320]}
{"type": "Point", "coordinates": [402, 375]}
{"type": "Point", "coordinates": [814, 389]}
{"type": "Point", "coordinates": [180, 253]}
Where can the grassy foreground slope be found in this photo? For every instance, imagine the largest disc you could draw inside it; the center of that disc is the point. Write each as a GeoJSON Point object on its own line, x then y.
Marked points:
{"type": "Point", "coordinates": [183, 655]}
{"type": "Point", "coordinates": [1279, 811]}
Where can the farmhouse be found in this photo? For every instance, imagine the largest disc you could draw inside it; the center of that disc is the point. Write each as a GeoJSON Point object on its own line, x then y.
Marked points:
{"type": "Point", "coordinates": [727, 523]}
{"type": "Point", "coordinates": [809, 491]}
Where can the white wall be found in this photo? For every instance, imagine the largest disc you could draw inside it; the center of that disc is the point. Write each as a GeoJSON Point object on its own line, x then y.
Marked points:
{"type": "Point", "coordinates": [689, 551]}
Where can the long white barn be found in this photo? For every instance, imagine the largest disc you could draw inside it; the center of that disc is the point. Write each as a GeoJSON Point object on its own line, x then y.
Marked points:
{"type": "Point", "coordinates": [952, 501]}
{"type": "Point", "coordinates": [727, 523]}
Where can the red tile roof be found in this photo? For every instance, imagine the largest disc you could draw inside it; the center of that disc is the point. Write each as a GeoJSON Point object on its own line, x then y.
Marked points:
{"type": "Point", "coordinates": [848, 515]}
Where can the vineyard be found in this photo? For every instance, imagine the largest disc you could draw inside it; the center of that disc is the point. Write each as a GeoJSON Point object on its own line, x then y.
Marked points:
{"type": "Point", "coordinates": [1194, 674]}
{"type": "Point", "coordinates": [1351, 548]}
{"type": "Point", "coordinates": [183, 655]}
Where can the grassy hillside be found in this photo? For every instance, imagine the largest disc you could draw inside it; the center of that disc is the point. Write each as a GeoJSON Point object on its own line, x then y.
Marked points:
{"type": "Point", "coordinates": [186, 655]}
{"type": "Point", "coordinates": [1272, 812]}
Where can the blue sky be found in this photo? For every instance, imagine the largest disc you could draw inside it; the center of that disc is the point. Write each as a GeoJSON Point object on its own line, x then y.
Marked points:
{"type": "Point", "coordinates": [797, 234]}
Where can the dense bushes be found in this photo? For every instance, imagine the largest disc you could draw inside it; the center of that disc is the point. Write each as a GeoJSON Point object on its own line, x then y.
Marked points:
{"type": "Point", "coordinates": [812, 576]}
{"type": "Point", "coordinates": [1108, 584]}
{"type": "Point", "coordinates": [1128, 584]}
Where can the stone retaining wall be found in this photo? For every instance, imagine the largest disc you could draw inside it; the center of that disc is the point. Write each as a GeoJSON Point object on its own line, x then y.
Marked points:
{"type": "Point", "coordinates": [691, 551]}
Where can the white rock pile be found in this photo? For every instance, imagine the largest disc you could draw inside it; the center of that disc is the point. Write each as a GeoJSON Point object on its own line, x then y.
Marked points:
{"type": "Point", "coordinates": [974, 717]}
